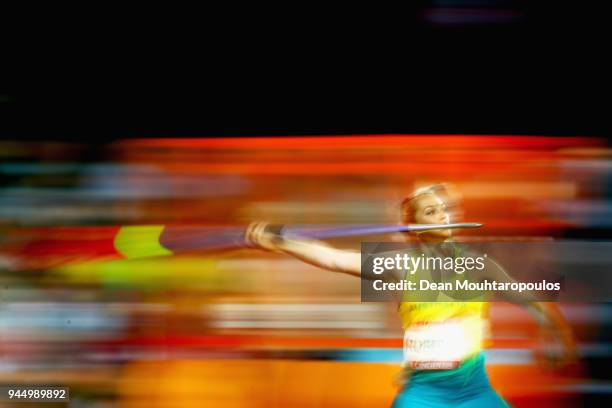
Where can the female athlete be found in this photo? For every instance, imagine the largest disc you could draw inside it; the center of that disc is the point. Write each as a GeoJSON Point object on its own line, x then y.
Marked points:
{"type": "Point", "coordinates": [444, 364]}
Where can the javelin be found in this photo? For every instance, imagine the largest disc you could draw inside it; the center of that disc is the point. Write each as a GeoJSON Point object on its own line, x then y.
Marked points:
{"type": "Point", "coordinates": [182, 239]}
{"type": "Point", "coordinates": [74, 244]}
{"type": "Point", "coordinates": [332, 231]}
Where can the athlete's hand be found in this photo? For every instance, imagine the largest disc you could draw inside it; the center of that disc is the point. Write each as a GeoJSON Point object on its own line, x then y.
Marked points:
{"type": "Point", "coordinates": [557, 348]}
{"type": "Point", "coordinates": [263, 235]}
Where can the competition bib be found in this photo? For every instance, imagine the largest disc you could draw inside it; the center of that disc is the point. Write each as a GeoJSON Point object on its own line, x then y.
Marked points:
{"type": "Point", "coordinates": [442, 345]}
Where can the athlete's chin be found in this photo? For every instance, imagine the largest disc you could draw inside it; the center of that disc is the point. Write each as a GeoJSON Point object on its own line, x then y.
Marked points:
{"type": "Point", "coordinates": [443, 233]}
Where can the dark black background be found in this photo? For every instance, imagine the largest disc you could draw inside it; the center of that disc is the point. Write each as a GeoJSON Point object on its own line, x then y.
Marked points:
{"type": "Point", "coordinates": [321, 72]}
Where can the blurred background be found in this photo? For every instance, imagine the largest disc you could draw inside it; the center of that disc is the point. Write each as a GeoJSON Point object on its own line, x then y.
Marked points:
{"type": "Point", "coordinates": [248, 328]}
{"type": "Point", "coordinates": [213, 119]}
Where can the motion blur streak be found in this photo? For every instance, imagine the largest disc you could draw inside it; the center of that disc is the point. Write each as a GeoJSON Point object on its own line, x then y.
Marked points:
{"type": "Point", "coordinates": [247, 328]}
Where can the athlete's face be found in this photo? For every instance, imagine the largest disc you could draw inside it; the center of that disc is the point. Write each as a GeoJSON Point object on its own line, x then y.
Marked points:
{"type": "Point", "coordinates": [430, 209]}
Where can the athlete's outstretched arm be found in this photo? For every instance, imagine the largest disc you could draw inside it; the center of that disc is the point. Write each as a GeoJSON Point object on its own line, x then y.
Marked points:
{"type": "Point", "coordinates": [313, 252]}
{"type": "Point", "coordinates": [552, 322]}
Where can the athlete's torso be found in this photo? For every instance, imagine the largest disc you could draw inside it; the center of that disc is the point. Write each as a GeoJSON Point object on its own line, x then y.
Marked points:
{"type": "Point", "coordinates": [441, 332]}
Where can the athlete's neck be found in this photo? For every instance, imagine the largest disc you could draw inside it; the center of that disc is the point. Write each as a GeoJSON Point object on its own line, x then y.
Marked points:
{"type": "Point", "coordinates": [432, 239]}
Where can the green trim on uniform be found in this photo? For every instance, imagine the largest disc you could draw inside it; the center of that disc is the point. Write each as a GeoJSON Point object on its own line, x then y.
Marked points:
{"type": "Point", "coordinates": [409, 296]}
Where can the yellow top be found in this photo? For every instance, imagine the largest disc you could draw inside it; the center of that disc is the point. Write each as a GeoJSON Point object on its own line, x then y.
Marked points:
{"type": "Point", "coordinates": [444, 316]}
{"type": "Point", "coordinates": [436, 312]}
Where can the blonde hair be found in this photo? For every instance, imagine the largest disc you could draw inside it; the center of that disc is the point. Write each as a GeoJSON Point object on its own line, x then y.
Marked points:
{"type": "Point", "coordinates": [408, 207]}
